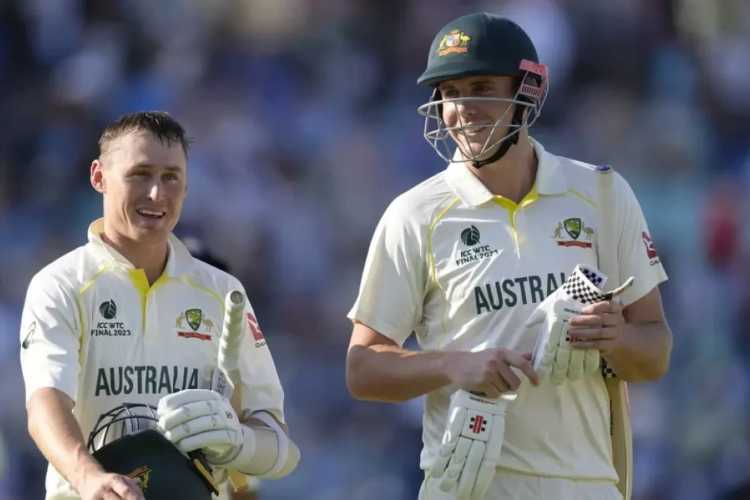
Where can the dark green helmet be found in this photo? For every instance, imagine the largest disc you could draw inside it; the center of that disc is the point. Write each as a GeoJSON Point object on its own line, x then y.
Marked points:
{"type": "Point", "coordinates": [477, 44]}
{"type": "Point", "coordinates": [125, 441]}
{"type": "Point", "coordinates": [482, 44]}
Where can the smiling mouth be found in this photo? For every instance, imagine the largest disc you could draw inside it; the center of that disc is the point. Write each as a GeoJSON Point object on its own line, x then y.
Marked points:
{"type": "Point", "coordinates": [150, 214]}
{"type": "Point", "coordinates": [474, 133]}
{"type": "Point", "coordinates": [477, 129]}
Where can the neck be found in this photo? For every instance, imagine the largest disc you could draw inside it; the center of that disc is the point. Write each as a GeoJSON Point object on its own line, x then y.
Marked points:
{"type": "Point", "coordinates": [151, 257]}
{"type": "Point", "coordinates": [512, 175]}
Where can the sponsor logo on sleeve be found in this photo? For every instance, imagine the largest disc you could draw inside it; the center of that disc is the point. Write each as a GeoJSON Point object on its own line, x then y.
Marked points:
{"type": "Point", "coordinates": [653, 257]}
{"type": "Point", "coordinates": [29, 334]}
{"type": "Point", "coordinates": [255, 330]}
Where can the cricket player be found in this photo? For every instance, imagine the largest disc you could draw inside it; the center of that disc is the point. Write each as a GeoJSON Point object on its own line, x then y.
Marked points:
{"type": "Point", "coordinates": [132, 317]}
{"type": "Point", "coordinates": [466, 257]}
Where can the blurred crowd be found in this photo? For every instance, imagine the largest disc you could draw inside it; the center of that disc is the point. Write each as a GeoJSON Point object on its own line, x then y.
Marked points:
{"type": "Point", "coordinates": [303, 115]}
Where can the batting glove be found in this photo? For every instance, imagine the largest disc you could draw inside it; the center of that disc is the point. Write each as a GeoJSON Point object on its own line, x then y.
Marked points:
{"type": "Point", "coordinates": [470, 448]}
{"type": "Point", "coordinates": [201, 419]}
{"type": "Point", "coordinates": [553, 355]}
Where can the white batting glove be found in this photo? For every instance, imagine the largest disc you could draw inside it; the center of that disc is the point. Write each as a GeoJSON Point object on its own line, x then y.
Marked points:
{"type": "Point", "coordinates": [201, 419]}
{"type": "Point", "coordinates": [470, 448]}
{"type": "Point", "coordinates": [553, 356]}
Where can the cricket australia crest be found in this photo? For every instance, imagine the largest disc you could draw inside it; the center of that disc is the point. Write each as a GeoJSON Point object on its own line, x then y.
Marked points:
{"type": "Point", "coordinates": [194, 319]}
{"type": "Point", "coordinates": [573, 232]}
{"type": "Point", "coordinates": [454, 42]}
{"type": "Point", "coordinates": [141, 475]}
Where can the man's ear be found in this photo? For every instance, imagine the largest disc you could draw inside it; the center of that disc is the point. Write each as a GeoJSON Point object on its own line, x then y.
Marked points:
{"type": "Point", "coordinates": [96, 176]}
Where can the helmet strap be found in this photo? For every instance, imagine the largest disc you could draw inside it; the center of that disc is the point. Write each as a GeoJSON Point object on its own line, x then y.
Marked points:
{"type": "Point", "coordinates": [506, 144]}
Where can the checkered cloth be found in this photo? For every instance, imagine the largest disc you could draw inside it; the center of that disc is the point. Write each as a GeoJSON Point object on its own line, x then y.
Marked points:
{"type": "Point", "coordinates": [584, 286]}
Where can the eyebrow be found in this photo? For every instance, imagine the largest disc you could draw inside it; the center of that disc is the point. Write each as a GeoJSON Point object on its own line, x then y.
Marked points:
{"type": "Point", "coordinates": [480, 81]}
{"type": "Point", "coordinates": [483, 81]}
{"type": "Point", "coordinates": [146, 165]}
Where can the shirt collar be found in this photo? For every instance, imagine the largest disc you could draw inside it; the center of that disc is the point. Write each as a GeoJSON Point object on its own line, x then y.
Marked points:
{"type": "Point", "coordinates": [179, 260]}
{"type": "Point", "coordinates": [549, 178]}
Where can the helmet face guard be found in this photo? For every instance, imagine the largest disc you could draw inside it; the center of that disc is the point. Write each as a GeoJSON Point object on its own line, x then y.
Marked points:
{"type": "Point", "coordinates": [125, 441]}
{"type": "Point", "coordinates": [522, 110]}
{"type": "Point", "coordinates": [125, 420]}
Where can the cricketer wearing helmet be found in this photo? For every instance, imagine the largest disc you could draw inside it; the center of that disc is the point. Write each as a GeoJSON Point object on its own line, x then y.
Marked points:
{"type": "Point", "coordinates": [131, 318]}
{"type": "Point", "coordinates": [500, 250]}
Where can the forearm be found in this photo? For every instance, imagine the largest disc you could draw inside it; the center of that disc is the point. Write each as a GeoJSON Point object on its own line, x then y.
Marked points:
{"type": "Point", "coordinates": [58, 436]}
{"type": "Point", "coordinates": [644, 354]}
{"type": "Point", "coordinates": [393, 374]}
{"type": "Point", "coordinates": [267, 451]}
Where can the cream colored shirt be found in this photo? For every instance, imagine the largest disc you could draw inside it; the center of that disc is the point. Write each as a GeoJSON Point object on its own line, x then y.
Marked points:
{"type": "Point", "coordinates": [463, 269]}
{"type": "Point", "coordinates": [95, 330]}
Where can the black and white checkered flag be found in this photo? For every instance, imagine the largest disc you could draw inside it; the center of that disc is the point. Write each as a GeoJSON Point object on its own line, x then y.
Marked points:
{"type": "Point", "coordinates": [584, 285]}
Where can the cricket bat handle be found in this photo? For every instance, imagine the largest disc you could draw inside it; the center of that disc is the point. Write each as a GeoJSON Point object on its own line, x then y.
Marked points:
{"type": "Point", "coordinates": [231, 340]}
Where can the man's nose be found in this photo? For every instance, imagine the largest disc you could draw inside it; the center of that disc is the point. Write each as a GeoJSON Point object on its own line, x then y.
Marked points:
{"type": "Point", "coordinates": [465, 107]}
{"type": "Point", "coordinates": [154, 191]}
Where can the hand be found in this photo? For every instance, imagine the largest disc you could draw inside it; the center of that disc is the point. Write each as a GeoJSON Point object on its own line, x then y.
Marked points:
{"type": "Point", "coordinates": [102, 485]}
{"type": "Point", "coordinates": [489, 372]}
{"type": "Point", "coordinates": [600, 327]}
{"type": "Point", "coordinates": [201, 419]}
{"type": "Point", "coordinates": [470, 448]}
{"type": "Point", "coordinates": [553, 355]}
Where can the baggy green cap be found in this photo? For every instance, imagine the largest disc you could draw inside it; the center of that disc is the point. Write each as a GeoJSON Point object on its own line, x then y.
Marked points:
{"type": "Point", "coordinates": [477, 44]}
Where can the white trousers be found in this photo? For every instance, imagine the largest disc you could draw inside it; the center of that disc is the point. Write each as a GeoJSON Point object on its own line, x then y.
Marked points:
{"type": "Point", "coordinates": [509, 485]}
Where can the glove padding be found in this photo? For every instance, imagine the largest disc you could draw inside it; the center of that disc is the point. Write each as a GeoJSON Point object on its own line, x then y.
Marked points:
{"type": "Point", "coordinates": [553, 356]}
{"type": "Point", "coordinates": [470, 448]}
{"type": "Point", "coordinates": [202, 419]}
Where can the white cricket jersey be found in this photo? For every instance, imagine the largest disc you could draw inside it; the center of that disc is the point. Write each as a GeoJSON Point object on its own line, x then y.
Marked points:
{"type": "Point", "coordinates": [94, 329]}
{"type": "Point", "coordinates": [464, 269]}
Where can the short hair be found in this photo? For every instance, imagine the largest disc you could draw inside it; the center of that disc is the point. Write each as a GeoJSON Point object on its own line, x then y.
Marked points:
{"type": "Point", "coordinates": [160, 123]}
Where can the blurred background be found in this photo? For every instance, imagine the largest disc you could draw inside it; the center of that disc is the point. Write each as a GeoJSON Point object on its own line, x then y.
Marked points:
{"type": "Point", "coordinates": [303, 114]}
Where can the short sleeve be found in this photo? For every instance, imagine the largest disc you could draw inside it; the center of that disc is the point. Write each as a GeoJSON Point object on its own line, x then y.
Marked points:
{"type": "Point", "coordinates": [392, 290]}
{"type": "Point", "coordinates": [50, 337]}
{"type": "Point", "coordinates": [637, 255]}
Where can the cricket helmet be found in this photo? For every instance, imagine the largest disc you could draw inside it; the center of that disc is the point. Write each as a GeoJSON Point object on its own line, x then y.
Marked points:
{"type": "Point", "coordinates": [476, 45]}
{"type": "Point", "coordinates": [125, 441]}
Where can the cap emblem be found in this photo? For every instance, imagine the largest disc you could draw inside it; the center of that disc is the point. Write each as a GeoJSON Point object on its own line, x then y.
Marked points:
{"type": "Point", "coordinates": [454, 42]}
